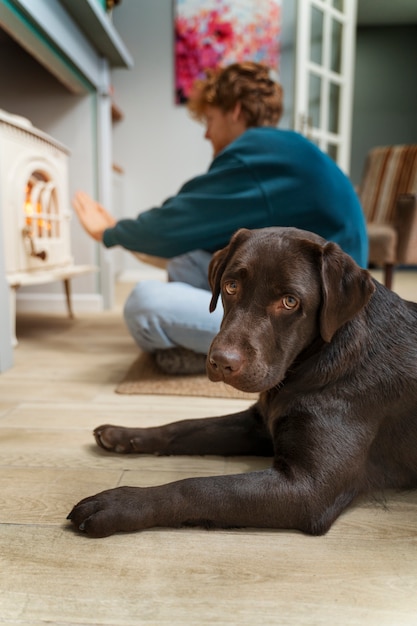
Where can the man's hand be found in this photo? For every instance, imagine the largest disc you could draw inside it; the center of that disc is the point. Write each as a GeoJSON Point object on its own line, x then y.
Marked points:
{"type": "Point", "coordinates": [93, 217]}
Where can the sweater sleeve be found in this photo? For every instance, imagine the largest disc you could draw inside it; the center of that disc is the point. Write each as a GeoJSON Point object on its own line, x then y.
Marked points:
{"type": "Point", "coordinates": [203, 215]}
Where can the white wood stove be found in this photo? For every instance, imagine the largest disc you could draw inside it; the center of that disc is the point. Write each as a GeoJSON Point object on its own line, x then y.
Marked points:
{"type": "Point", "coordinates": [34, 200]}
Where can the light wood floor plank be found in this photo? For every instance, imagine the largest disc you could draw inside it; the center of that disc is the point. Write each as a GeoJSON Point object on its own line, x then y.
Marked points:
{"type": "Point", "coordinates": [143, 411]}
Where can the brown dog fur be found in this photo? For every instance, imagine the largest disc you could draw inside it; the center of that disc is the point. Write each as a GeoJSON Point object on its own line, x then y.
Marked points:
{"type": "Point", "coordinates": [334, 356]}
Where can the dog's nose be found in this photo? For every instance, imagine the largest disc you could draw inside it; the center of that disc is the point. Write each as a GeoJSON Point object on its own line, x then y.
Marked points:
{"type": "Point", "coordinates": [226, 361]}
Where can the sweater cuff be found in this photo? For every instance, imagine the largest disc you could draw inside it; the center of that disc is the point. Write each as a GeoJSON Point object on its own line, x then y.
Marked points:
{"type": "Point", "coordinates": [109, 238]}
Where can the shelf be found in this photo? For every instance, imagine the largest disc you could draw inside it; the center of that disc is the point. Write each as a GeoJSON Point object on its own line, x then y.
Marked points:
{"type": "Point", "coordinates": [99, 30]}
{"type": "Point", "coordinates": [69, 37]}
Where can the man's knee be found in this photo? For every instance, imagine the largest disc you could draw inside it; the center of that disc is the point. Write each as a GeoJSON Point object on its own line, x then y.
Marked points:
{"type": "Point", "coordinates": [145, 297]}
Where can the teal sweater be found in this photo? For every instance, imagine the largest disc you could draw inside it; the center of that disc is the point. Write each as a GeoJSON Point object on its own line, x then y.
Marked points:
{"type": "Point", "coordinates": [266, 177]}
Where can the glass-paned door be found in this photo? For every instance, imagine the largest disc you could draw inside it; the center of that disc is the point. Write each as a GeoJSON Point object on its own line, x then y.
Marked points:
{"type": "Point", "coordinates": [325, 53]}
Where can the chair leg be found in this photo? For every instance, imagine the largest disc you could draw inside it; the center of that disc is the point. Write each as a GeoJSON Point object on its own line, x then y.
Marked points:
{"type": "Point", "coordinates": [388, 275]}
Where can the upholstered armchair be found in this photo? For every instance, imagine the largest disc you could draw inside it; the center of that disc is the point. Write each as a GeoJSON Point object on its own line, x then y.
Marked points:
{"type": "Point", "coordinates": [388, 193]}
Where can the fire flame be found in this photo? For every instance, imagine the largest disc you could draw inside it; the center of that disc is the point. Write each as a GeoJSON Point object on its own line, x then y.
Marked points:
{"type": "Point", "coordinates": [36, 218]}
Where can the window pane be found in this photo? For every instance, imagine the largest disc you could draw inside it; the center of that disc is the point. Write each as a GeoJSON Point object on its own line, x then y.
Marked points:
{"type": "Point", "coordinates": [334, 105]}
{"type": "Point", "coordinates": [316, 43]}
{"type": "Point", "coordinates": [314, 89]}
{"type": "Point", "coordinates": [332, 151]}
{"type": "Point", "coordinates": [336, 47]}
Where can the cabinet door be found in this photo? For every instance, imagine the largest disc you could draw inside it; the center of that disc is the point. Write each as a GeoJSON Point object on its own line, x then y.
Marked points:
{"type": "Point", "coordinates": [325, 50]}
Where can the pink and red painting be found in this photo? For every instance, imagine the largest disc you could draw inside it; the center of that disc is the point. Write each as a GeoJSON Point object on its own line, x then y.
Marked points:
{"type": "Point", "coordinates": [213, 33]}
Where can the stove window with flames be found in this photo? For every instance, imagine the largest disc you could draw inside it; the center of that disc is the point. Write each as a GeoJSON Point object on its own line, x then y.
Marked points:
{"type": "Point", "coordinates": [41, 213]}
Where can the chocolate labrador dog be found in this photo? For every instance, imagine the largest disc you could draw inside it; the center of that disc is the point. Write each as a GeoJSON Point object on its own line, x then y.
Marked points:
{"type": "Point", "coordinates": [333, 354]}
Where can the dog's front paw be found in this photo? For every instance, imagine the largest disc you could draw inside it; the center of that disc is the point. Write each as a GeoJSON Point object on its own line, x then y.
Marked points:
{"type": "Point", "coordinates": [118, 438]}
{"type": "Point", "coordinates": [111, 511]}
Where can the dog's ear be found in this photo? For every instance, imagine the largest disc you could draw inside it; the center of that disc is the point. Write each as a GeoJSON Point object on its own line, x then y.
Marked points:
{"type": "Point", "coordinates": [219, 261]}
{"type": "Point", "coordinates": [346, 289]}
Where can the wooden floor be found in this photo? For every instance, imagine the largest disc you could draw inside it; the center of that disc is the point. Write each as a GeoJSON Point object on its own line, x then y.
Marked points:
{"type": "Point", "coordinates": [364, 571]}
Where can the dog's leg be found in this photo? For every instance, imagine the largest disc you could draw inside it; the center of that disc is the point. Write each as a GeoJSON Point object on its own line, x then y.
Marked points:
{"type": "Point", "coordinates": [263, 499]}
{"type": "Point", "coordinates": [241, 433]}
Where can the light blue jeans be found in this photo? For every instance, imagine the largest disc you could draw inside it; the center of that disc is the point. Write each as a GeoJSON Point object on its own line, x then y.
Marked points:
{"type": "Point", "coordinates": [175, 314]}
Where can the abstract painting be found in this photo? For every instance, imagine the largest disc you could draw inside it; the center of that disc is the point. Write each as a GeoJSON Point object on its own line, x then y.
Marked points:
{"type": "Point", "coordinates": [213, 33]}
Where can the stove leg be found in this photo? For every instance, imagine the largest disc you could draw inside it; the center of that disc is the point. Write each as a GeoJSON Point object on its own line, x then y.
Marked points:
{"type": "Point", "coordinates": [67, 288]}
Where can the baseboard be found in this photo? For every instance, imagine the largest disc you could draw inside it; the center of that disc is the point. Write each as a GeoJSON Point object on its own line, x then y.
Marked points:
{"type": "Point", "coordinates": [56, 303]}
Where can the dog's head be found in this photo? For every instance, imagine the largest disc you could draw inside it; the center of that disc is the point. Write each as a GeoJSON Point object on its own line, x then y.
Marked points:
{"type": "Point", "coordinates": [281, 289]}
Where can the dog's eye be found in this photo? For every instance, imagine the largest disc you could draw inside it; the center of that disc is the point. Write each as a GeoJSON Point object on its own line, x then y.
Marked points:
{"type": "Point", "coordinates": [230, 287]}
{"type": "Point", "coordinates": [290, 302]}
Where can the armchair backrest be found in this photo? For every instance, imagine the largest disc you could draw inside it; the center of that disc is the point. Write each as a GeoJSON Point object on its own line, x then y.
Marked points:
{"type": "Point", "coordinates": [389, 172]}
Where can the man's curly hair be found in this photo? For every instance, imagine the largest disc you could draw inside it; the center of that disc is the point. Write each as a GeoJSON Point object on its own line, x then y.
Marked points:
{"type": "Point", "coordinates": [251, 84]}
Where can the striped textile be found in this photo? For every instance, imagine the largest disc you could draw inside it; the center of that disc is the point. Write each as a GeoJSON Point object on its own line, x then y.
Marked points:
{"type": "Point", "coordinates": [389, 172]}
